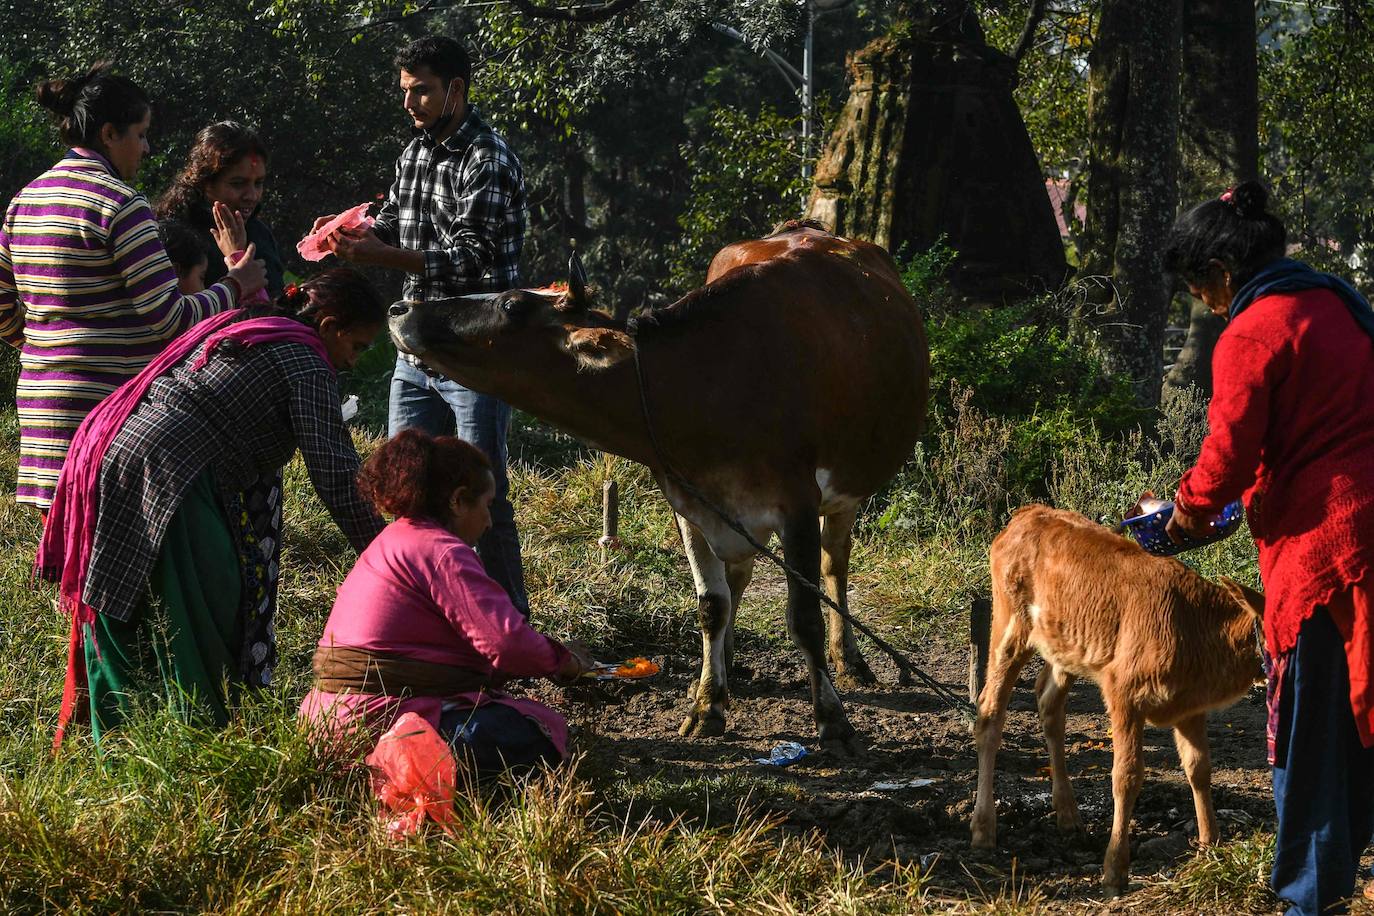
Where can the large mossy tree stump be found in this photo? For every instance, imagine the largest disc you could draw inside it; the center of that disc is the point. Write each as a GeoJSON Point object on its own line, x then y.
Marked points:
{"type": "Point", "coordinates": [930, 144]}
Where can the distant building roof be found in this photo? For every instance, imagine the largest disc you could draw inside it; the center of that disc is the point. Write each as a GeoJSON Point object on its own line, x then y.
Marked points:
{"type": "Point", "coordinates": [1058, 190]}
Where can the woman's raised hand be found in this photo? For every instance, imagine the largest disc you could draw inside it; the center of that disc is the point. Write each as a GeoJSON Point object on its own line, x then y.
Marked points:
{"type": "Point", "coordinates": [250, 274]}
{"type": "Point", "coordinates": [230, 233]}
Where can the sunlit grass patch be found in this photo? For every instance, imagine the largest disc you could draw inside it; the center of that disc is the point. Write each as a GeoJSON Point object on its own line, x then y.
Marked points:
{"type": "Point", "coordinates": [1232, 877]}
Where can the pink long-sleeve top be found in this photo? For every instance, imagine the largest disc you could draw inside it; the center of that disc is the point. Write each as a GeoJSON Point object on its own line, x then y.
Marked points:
{"type": "Point", "coordinates": [421, 592]}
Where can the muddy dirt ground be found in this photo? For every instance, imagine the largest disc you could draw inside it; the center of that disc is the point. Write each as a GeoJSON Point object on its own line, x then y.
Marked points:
{"type": "Point", "coordinates": [629, 733]}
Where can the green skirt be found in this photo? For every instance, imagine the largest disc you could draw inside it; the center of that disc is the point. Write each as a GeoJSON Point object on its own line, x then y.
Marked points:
{"type": "Point", "coordinates": [181, 647]}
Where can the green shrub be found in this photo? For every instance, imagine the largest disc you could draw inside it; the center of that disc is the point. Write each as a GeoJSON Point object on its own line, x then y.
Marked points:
{"type": "Point", "coordinates": [1013, 388]}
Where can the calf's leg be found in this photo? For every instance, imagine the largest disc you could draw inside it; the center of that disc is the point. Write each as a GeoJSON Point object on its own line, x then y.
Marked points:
{"type": "Point", "coordinates": [837, 539]}
{"type": "Point", "coordinates": [1190, 737]}
{"type": "Point", "coordinates": [706, 717]}
{"type": "Point", "coordinates": [1008, 654]}
{"type": "Point", "coordinates": [801, 548]}
{"type": "Point", "coordinates": [1052, 692]}
{"type": "Point", "coordinates": [1128, 772]}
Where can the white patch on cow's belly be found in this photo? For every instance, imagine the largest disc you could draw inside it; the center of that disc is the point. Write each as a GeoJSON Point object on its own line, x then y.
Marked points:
{"type": "Point", "coordinates": [759, 521]}
{"type": "Point", "coordinates": [831, 499]}
{"type": "Point", "coordinates": [1034, 611]}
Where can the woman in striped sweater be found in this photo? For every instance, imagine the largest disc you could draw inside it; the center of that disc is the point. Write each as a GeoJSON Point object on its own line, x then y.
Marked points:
{"type": "Point", "coordinates": [86, 290]}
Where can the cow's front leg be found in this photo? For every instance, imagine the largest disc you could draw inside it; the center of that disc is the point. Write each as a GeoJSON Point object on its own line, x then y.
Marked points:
{"type": "Point", "coordinates": [801, 548]}
{"type": "Point", "coordinates": [711, 695]}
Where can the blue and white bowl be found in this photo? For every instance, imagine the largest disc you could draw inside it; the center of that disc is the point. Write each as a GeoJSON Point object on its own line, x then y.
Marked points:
{"type": "Point", "coordinates": [1148, 529]}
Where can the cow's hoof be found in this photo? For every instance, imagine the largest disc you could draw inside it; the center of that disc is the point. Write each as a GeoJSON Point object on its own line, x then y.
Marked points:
{"type": "Point", "coordinates": [1113, 888]}
{"type": "Point", "coordinates": [702, 724]}
{"type": "Point", "coordinates": [852, 674]}
{"type": "Point", "coordinates": [842, 742]}
{"type": "Point", "coordinates": [984, 839]}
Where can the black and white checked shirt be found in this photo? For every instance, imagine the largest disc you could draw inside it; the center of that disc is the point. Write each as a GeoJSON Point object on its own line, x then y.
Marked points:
{"type": "Point", "coordinates": [243, 415]}
{"type": "Point", "coordinates": [462, 203]}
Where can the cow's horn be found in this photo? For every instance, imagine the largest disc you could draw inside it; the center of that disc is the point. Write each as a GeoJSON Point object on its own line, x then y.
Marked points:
{"type": "Point", "coordinates": [577, 280]}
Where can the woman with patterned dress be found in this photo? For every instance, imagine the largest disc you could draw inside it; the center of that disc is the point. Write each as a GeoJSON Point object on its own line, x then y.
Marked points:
{"type": "Point", "coordinates": [1291, 429]}
{"type": "Point", "coordinates": [86, 290]}
{"type": "Point", "coordinates": [159, 559]}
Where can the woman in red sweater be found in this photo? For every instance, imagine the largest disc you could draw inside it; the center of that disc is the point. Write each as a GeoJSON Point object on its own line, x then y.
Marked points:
{"type": "Point", "coordinates": [1292, 432]}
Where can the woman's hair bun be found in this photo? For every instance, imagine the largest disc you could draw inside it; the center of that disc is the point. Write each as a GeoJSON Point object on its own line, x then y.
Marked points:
{"type": "Point", "coordinates": [1250, 200]}
{"type": "Point", "coordinates": [59, 96]}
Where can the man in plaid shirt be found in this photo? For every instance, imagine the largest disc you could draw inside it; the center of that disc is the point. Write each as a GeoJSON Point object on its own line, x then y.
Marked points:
{"type": "Point", "coordinates": [454, 221]}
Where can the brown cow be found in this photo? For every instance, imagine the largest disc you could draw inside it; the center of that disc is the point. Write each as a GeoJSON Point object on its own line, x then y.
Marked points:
{"type": "Point", "coordinates": [1163, 644]}
{"type": "Point", "coordinates": [788, 390]}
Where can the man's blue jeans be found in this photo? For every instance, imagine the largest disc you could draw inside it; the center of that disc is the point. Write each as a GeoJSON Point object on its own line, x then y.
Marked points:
{"type": "Point", "coordinates": [441, 407]}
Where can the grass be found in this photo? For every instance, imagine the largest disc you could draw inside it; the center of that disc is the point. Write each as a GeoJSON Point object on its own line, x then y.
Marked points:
{"type": "Point", "coordinates": [1230, 878]}
{"type": "Point", "coordinates": [252, 819]}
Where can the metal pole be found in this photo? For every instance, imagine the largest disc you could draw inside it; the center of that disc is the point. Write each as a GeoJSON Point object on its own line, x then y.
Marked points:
{"type": "Point", "coordinates": [807, 58]}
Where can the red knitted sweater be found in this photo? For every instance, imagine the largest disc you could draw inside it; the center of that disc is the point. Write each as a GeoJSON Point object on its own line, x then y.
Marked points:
{"type": "Point", "coordinates": [1292, 430]}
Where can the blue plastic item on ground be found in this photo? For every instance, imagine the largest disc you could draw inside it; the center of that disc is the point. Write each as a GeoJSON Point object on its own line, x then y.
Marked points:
{"type": "Point", "coordinates": [785, 754]}
{"type": "Point", "coordinates": [1148, 529]}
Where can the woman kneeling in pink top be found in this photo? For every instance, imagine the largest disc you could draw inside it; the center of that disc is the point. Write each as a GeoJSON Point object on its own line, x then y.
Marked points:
{"type": "Point", "coordinates": [419, 626]}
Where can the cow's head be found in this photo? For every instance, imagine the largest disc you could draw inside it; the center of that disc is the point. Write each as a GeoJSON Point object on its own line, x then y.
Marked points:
{"type": "Point", "coordinates": [465, 328]}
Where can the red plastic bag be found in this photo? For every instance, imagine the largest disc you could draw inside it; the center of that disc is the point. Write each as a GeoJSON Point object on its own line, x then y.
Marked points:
{"type": "Point", "coordinates": [413, 775]}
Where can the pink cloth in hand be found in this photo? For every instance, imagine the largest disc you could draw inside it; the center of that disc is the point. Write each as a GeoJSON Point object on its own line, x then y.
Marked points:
{"type": "Point", "coordinates": [413, 775]}
{"type": "Point", "coordinates": [314, 248]}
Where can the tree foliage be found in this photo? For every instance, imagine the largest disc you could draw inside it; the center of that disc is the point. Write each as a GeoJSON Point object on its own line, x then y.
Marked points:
{"type": "Point", "coordinates": [1317, 128]}
{"type": "Point", "coordinates": [746, 175]}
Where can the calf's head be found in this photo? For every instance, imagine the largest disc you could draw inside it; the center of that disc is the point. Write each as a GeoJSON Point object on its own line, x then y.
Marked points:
{"type": "Point", "coordinates": [501, 327]}
{"type": "Point", "coordinates": [1249, 600]}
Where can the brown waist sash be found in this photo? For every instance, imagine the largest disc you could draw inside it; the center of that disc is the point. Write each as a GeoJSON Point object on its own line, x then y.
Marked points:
{"type": "Point", "coordinates": [343, 669]}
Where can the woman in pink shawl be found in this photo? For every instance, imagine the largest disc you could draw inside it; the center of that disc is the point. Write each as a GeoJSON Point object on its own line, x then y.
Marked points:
{"type": "Point", "coordinates": [420, 627]}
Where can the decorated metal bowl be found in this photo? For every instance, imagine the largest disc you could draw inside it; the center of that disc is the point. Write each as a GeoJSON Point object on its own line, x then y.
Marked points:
{"type": "Point", "coordinates": [1148, 527]}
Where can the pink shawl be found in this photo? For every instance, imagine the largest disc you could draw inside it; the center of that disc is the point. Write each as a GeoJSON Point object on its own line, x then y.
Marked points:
{"type": "Point", "coordinates": [69, 535]}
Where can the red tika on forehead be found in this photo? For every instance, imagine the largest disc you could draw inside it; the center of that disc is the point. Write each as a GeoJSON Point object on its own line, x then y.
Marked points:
{"type": "Point", "coordinates": [558, 287]}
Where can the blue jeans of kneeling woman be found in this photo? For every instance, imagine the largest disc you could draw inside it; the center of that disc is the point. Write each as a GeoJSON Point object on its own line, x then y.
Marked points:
{"type": "Point", "coordinates": [442, 407]}
{"type": "Point", "coordinates": [1323, 776]}
{"type": "Point", "coordinates": [494, 738]}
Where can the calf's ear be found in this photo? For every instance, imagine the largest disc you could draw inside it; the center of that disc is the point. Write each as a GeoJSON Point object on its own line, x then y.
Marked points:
{"type": "Point", "coordinates": [1245, 596]}
{"type": "Point", "coordinates": [599, 348]}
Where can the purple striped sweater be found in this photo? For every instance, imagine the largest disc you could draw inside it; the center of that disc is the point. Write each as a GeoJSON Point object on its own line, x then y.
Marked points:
{"type": "Point", "coordinates": [88, 295]}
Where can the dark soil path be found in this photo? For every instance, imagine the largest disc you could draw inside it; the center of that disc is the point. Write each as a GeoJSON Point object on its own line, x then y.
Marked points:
{"type": "Point", "coordinates": [629, 735]}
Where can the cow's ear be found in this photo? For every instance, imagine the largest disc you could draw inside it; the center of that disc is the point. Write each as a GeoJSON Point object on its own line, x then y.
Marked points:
{"type": "Point", "coordinates": [1245, 596]}
{"type": "Point", "coordinates": [577, 282]}
{"type": "Point", "coordinates": [599, 348]}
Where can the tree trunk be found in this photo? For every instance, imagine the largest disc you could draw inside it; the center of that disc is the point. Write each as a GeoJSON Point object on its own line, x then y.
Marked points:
{"type": "Point", "coordinates": [1218, 142]}
{"type": "Point", "coordinates": [1132, 184]}
{"type": "Point", "coordinates": [930, 144]}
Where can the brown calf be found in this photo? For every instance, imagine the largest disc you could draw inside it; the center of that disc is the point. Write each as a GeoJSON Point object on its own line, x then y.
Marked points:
{"type": "Point", "coordinates": [1163, 644]}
